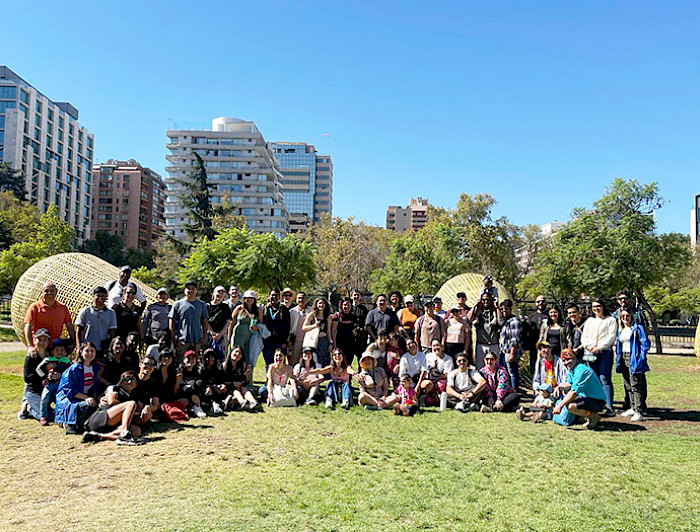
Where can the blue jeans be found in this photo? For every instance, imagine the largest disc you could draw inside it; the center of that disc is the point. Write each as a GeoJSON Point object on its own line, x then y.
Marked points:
{"type": "Point", "coordinates": [47, 396]}
{"type": "Point", "coordinates": [603, 368]}
{"type": "Point", "coordinates": [343, 389]}
{"type": "Point", "coordinates": [513, 369]}
{"type": "Point", "coordinates": [34, 400]}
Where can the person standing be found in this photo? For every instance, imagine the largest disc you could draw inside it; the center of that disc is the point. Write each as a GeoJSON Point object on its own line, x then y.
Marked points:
{"type": "Point", "coordinates": [430, 327]}
{"type": "Point", "coordinates": [50, 314]}
{"type": "Point", "coordinates": [360, 311]}
{"type": "Point", "coordinates": [485, 316]}
{"type": "Point", "coordinates": [115, 289]}
{"type": "Point", "coordinates": [408, 316]}
{"type": "Point", "coordinates": [276, 319]}
{"type": "Point", "coordinates": [319, 318]}
{"type": "Point", "coordinates": [155, 319]}
{"type": "Point", "coordinates": [631, 349]}
{"type": "Point", "coordinates": [219, 321]}
{"type": "Point", "coordinates": [533, 326]}
{"type": "Point", "coordinates": [510, 341]}
{"type": "Point", "coordinates": [381, 319]}
{"type": "Point", "coordinates": [343, 326]}
{"type": "Point", "coordinates": [288, 298]}
{"type": "Point", "coordinates": [128, 314]}
{"type": "Point", "coordinates": [233, 301]}
{"type": "Point", "coordinates": [97, 324]}
{"type": "Point", "coordinates": [624, 300]}
{"type": "Point", "coordinates": [297, 315]}
{"type": "Point", "coordinates": [189, 322]}
{"type": "Point", "coordinates": [598, 338]}
{"type": "Point", "coordinates": [574, 329]}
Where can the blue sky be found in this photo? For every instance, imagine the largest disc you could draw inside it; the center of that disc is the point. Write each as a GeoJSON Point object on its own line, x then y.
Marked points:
{"type": "Point", "coordinates": [540, 104]}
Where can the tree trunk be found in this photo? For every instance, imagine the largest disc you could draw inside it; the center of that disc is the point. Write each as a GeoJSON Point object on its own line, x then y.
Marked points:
{"type": "Point", "coordinates": [652, 317]}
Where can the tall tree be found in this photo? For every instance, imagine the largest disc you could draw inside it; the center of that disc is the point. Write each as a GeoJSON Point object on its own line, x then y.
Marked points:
{"type": "Point", "coordinates": [53, 236]}
{"type": "Point", "coordinates": [196, 198]}
{"type": "Point", "coordinates": [13, 181]}
{"type": "Point", "coordinates": [18, 218]}
{"type": "Point", "coordinates": [105, 245]}
{"type": "Point", "coordinates": [610, 248]}
{"type": "Point", "coordinates": [347, 253]}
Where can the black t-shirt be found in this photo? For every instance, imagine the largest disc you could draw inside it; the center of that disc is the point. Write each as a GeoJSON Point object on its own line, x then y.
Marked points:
{"type": "Point", "coordinates": [127, 318]}
{"type": "Point", "coordinates": [347, 323]}
{"type": "Point", "coordinates": [236, 372]}
{"type": "Point", "coordinates": [166, 386]}
{"type": "Point", "coordinates": [218, 315]}
{"type": "Point", "coordinates": [213, 375]}
{"type": "Point", "coordinates": [147, 390]}
{"type": "Point", "coordinates": [31, 378]}
{"type": "Point", "coordinates": [113, 370]}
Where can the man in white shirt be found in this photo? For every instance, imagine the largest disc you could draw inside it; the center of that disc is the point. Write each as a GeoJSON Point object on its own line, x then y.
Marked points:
{"type": "Point", "coordinates": [297, 315]}
{"type": "Point", "coordinates": [115, 289]}
{"type": "Point", "coordinates": [464, 386]}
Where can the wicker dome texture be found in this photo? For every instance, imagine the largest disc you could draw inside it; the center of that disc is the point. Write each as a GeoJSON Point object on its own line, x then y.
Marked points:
{"type": "Point", "coordinates": [75, 275]}
{"type": "Point", "coordinates": [470, 284]}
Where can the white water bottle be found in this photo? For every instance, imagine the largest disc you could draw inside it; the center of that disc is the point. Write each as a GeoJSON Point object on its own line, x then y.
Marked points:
{"type": "Point", "coordinates": [443, 401]}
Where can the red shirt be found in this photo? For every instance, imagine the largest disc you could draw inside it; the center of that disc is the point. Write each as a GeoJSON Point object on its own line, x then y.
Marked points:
{"type": "Point", "coordinates": [52, 318]}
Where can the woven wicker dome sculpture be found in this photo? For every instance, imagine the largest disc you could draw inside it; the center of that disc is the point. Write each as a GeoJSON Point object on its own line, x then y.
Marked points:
{"type": "Point", "coordinates": [697, 342]}
{"type": "Point", "coordinates": [470, 284]}
{"type": "Point", "coordinates": [75, 275]}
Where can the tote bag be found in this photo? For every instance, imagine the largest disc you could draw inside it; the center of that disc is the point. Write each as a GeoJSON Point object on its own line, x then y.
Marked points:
{"type": "Point", "coordinates": [311, 338]}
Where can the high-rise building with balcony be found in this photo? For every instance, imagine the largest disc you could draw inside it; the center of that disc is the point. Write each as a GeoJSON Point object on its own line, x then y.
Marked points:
{"type": "Point", "coordinates": [241, 168]}
{"type": "Point", "coordinates": [44, 140]}
{"type": "Point", "coordinates": [413, 217]}
{"type": "Point", "coordinates": [307, 183]}
{"type": "Point", "coordinates": [129, 202]}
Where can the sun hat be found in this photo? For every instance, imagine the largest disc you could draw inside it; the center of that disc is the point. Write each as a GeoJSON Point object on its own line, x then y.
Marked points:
{"type": "Point", "coordinates": [543, 343]}
{"type": "Point", "coordinates": [287, 291]}
{"type": "Point", "coordinates": [366, 355]}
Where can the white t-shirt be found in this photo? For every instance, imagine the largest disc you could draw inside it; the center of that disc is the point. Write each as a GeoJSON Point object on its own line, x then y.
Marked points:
{"type": "Point", "coordinates": [116, 293]}
{"type": "Point", "coordinates": [88, 378]}
{"type": "Point", "coordinates": [444, 364]}
{"type": "Point", "coordinates": [625, 337]}
{"type": "Point", "coordinates": [411, 365]}
{"type": "Point", "coordinates": [463, 381]}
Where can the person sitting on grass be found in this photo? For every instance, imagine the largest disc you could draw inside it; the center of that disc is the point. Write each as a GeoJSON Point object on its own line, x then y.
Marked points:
{"type": "Point", "coordinates": [236, 375]}
{"type": "Point", "coordinates": [33, 382]}
{"type": "Point", "coordinates": [338, 389]}
{"type": "Point", "coordinates": [499, 394]}
{"type": "Point", "coordinates": [464, 386]}
{"type": "Point", "coordinates": [50, 369]}
{"type": "Point", "coordinates": [191, 384]}
{"type": "Point", "coordinates": [113, 419]}
{"type": "Point", "coordinates": [378, 349]}
{"type": "Point", "coordinates": [583, 393]}
{"type": "Point", "coordinates": [541, 408]}
{"type": "Point", "coordinates": [631, 350]}
{"type": "Point", "coordinates": [439, 365]}
{"type": "Point", "coordinates": [281, 388]}
{"type": "Point", "coordinates": [374, 385]}
{"type": "Point", "coordinates": [414, 365]}
{"type": "Point", "coordinates": [213, 381]}
{"type": "Point", "coordinates": [308, 382]}
{"type": "Point", "coordinates": [167, 376]}
{"type": "Point", "coordinates": [77, 390]}
{"type": "Point", "coordinates": [148, 390]}
{"type": "Point", "coordinates": [408, 401]}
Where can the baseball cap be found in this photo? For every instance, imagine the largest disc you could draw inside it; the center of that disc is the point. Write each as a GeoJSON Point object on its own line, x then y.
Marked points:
{"type": "Point", "coordinates": [190, 353]}
{"type": "Point", "coordinates": [249, 293]}
{"type": "Point", "coordinates": [545, 387]}
{"type": "Point", "coordinates": [42, 332]}
{"type": "Point", "coordinates": [543, 343]}
{"type": "Point", "coordinates": [408, 299]}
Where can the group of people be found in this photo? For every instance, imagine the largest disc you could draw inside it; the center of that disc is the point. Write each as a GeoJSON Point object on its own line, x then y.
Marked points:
{"type": "Point", "coordinates": [199, 357]}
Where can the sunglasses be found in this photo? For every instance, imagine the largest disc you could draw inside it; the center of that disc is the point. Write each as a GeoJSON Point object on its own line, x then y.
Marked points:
{"type": "Point", "coordinates": [148, 364]}
{"type": "Point", "coordinates": [461, 361]}
{"type": "Point", "coordinates": [130, 380]}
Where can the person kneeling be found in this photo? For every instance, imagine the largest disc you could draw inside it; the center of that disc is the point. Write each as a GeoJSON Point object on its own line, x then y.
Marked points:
{"type": "Point", "coordinates": [585, 396]}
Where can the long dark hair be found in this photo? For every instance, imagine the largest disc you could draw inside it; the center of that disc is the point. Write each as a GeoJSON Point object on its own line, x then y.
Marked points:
{"type": "Point", "coordinates": [110, 349]}
{"type": "Point", "coordinates": [603, 306]}
{"type": "Point", "coordinates": [80, 358]}
{"type": "Point", "coordinates": [228, 361]}
{"type": "Point", "coordinates": [343, 363]}
{"type": "Point", "coordinates": [559, 316]}
{"type": "Point", "coordinates": [326, 308]}
{"type": "Point", "coordinates": [253, 308]}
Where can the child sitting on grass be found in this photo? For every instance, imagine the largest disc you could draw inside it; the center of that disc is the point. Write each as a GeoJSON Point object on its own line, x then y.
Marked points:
{"type": "Point", "coordinates": [408, 402]}
{"type": "Point", "coordinates": [50, 370]}
{"type": "Point", "coordinates": [541, 408]}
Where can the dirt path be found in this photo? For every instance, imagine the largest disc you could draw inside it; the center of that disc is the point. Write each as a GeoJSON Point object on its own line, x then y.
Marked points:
{"type": "Point", "coordinates": [11, 346]}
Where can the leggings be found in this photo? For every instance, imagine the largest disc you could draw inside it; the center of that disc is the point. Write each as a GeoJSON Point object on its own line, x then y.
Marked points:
{"type": "Point", "coordinates": [510, 402]}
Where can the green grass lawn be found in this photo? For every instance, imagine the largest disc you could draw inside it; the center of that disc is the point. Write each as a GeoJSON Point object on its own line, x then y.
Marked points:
{"type": "Point", "coordinates": [313, 469]}
{"type": "Point", "coordinates": [8, 335]}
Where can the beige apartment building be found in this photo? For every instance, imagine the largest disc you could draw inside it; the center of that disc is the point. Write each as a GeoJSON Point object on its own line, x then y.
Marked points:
{"type": "Point", "coordinates": [129, 202]}
{"type": "Point", "coordinates": [413, 217]}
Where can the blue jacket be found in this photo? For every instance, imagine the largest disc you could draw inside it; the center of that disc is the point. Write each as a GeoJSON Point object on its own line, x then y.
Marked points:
{"type": "Point", "coordinates": [71, 383]}
{"type": "Point", "coordinates": [639, 346]}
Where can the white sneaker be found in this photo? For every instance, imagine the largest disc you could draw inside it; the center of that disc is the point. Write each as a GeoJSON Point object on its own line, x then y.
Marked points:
{"type": "Point", "coordinates": [460, 406]}
{"type": "Point", "coordinates": [628, 413]}
{"type": "Point", "coordinates": [637, 417]}
{"type": "Point", "coordinates": [329, 402]}
{"type": "Point", "coordinates": [197, 411]}
{"type": "Point", "coordinates": [252, 405]}
{"type": "Point", "coordinates": [345, 404]}
{"type": "Point", "coordinates": [228, 403]}
{"type": "Point", "coordinates": [216, 409]}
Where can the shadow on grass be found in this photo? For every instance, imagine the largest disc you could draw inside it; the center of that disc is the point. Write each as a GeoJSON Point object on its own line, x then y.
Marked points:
{"type": "Point", "coordinates": [617, 426]}
{"type": "Point", "coordinates": [169, 426]}
{"type": "Point", "coordinates": [669, 414]}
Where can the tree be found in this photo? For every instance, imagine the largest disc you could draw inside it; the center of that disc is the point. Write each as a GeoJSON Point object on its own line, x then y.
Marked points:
{"type": "Point", "coordinates": [452, 242]}
{"type": "Point", "coordinates": [12, 181]}
{"type": "Point", "coordinates": [259, 261]}
{"type": "Point", "coordinates": [18, 220]}
{"type": "Point", "coordinates": [611, 247]}
{"type": "Point", "coordinates": [53, 236]}
{"type": "Point", "coordinates": [107, 246]}
{"type": "Point", "coordinates": [347, 253]}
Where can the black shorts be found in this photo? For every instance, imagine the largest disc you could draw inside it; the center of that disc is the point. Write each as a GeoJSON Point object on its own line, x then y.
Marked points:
{"type": "Point", "coordinates": [587, 403]}
{"type": "Point", "coordinates": [97, 422]}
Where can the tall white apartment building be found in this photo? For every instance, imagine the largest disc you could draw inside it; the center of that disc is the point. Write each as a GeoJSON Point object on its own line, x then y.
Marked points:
{"type": "Point", "coordinates": [44, 140]}
{"type": "Point", "coordinates": [240, 166]}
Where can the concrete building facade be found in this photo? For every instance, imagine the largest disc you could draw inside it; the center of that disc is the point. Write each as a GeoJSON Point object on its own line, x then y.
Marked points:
{"type": "Point", "coordinates": [413, 217]}
{"type": "Point", "coordinates": [44, 140]}
{"type": "Point", "coordinates": [129, 202]}
{"type": "Point", "coordinates": [241, 168]}
{"type": "Point", "coordinates": [695, 221]}
{"type": "Point", "coordinates": [307, 183]}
